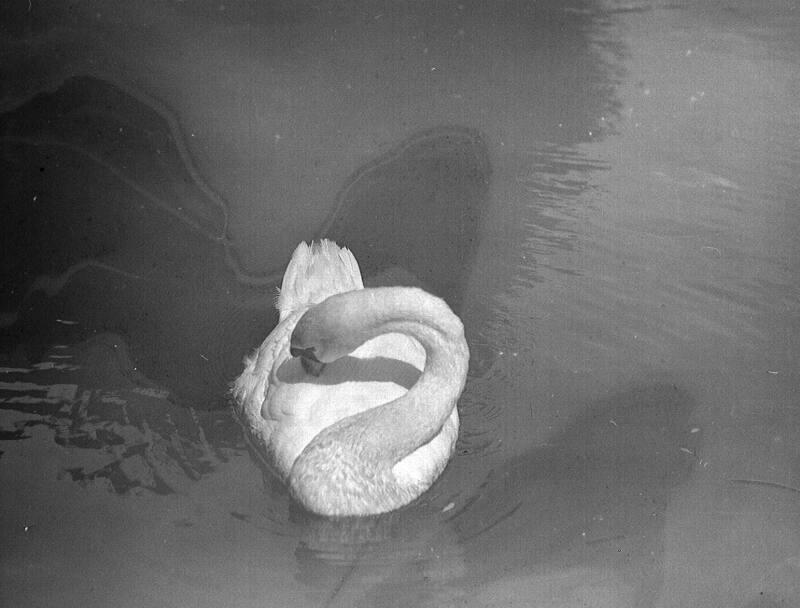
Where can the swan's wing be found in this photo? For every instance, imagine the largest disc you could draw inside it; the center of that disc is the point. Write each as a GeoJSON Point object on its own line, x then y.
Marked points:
{"type": "Point", "coordinates": [316, 272]}
{"type": "Point", "coordinates": [251, 390]}
{"type": "Point", "coordinates": [280, 406]}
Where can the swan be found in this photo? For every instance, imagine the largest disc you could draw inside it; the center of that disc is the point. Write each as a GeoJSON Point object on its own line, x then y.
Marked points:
{"type": "Point", "coordinates": [351, 399]}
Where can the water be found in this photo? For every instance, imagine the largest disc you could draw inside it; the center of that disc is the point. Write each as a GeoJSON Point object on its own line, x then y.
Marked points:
{"type": "Point", "coordinates": [606, 192]}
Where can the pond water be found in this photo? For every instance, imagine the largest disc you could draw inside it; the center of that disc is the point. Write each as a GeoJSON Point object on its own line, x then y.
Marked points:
{"type": "Point", "coordinates": [606, 192]}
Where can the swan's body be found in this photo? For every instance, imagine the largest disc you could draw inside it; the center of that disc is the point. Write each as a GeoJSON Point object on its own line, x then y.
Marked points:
{"type": "Point", "coordinates": [364, 419]}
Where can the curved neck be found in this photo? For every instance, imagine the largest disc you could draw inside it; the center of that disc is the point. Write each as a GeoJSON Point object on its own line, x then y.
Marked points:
{"type": "Point", "coordinates": [391, 431]}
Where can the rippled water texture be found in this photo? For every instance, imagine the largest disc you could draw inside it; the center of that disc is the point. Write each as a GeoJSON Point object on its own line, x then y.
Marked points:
{"type": "Point", "coordinates": [606, 192]}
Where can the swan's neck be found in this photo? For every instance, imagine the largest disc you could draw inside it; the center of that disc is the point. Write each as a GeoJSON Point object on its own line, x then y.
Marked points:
{"type": "Point", "coordinates": [391, 431]}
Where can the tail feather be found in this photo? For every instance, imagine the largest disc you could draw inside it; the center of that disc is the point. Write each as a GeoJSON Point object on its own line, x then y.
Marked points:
{"type": "Point", "coordinates": [315, 272]}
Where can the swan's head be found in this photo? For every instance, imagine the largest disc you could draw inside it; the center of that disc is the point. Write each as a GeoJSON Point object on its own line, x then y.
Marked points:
{"type": "Point", "coordinates": [325, 333]}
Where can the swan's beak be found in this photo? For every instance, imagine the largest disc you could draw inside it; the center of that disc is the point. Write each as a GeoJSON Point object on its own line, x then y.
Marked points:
{"type": "Point", "coordinates": [308, 360]}
{"type": "Point", "coordinates": [306, 353]}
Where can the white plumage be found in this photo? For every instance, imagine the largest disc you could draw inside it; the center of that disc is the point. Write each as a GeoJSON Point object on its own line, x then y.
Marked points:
{"type": "Point", "coordinates": [366, 419]}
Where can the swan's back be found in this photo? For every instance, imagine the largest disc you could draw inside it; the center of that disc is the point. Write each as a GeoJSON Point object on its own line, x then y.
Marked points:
{"type": "Point", "coordinates": [315, 272]}
{"type": "Point", "coordinates": [362, 405]}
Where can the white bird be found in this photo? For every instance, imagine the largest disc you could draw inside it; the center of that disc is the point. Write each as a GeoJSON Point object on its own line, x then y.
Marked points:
{"type": "Point", "coordinates": [351, 399]}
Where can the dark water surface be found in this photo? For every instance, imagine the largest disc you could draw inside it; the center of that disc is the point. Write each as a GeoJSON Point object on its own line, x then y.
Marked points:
{"type": "Point", "coordinates": [606, 192]}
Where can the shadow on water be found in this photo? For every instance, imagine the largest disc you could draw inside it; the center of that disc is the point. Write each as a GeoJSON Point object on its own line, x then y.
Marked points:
{"type": "Point", "coordinates": [595, 496]}
{"type": "Point", "coordinates": [418, 210]}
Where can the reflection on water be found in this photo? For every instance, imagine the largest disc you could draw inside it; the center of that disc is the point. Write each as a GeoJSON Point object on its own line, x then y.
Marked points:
{"type": "Point", "coordinates": [113, 427]}
{"type": "Point", "coordinates": [605, 193]}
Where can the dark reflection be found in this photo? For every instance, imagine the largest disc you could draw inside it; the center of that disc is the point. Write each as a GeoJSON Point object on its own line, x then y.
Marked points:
{"type": "Point", "coordinates": [414, 215]}
{"type": "Point", "coordinates": [112, 229]}
{"type": "Point", "coordinates": [595, 495]}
